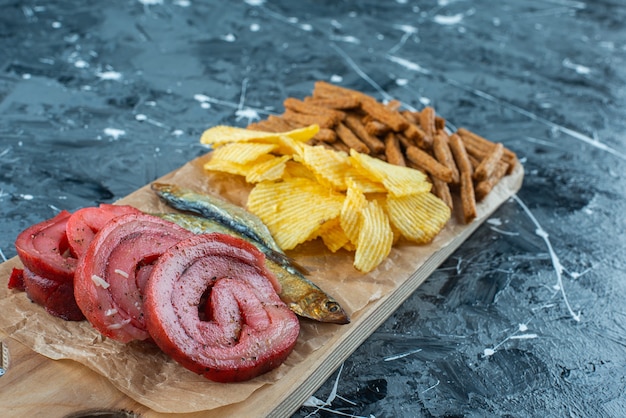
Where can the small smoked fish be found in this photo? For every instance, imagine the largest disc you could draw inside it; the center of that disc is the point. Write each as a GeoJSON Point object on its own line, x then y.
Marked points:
{"type": "Point", "coordinates": [230, 215]}
{"type": "Point", "coordinates": [302, 296]}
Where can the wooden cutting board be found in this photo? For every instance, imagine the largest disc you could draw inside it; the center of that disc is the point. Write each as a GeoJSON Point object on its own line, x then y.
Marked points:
{"type": "Point", "coordinates": [36, 386]}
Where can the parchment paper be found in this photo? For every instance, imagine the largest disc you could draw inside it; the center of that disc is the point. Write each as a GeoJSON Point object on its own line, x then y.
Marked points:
{"type": "Point", "coordinates": [148, 376]}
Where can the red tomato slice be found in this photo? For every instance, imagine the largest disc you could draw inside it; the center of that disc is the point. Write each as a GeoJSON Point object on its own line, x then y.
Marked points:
{"type": "Point", "coordinates": [109, 276]}
{"type": "Point", "coordinates": [44, 250]}
{"type": "Point", "coordinates": [83, 225]}
{"type": "Point", "coordinates": [56, 297]}
{"type": "Point", "coordinates": [245, 330]}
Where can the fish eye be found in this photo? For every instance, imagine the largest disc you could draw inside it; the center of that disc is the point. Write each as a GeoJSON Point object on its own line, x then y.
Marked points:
{"type": "Point", "coordinates": [332, 307]}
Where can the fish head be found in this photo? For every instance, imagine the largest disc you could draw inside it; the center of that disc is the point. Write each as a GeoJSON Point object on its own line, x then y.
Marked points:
{"type": "Point", "coordinates": [320, 307]}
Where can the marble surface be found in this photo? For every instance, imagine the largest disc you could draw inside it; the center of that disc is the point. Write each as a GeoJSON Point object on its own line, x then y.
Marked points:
{"type": "Point", "coordinates": [525, 319]}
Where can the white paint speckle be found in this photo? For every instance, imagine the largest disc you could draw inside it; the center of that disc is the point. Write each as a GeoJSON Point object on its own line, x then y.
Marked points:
{"type": "Point", "coordinates": [177, 132]}
{"type": "Point", "coordinates": [141, 117]}
{"type": "Point", "coordinates": [182, 3]}
{"type": "Point", "coordinates": [524, 337]}
{"type": "Point", "coordinates": [402, 81]}
{"type": "Point", "coordinates": [114, 133]}
{"type": "Point", "coordinates": [494, 221]}
{"type": "Point", "coordinates": [255, 2]}
{"type": "Point", "coordinates": [81, 64]}
{"type": "Point", "coordinates": [249, 114]}
{"type": "Point", "coordinates": [27, 196]}
{"type": "Point", "coordinates": [408, 64]}
{"type": "Point", "coordinates": [487, 352]}
{"type": "Point", "coordinates": [255, 27]}
{"type": "Point", "coordinates": [336, 78]}
{"type": "Point", "coordinates": [26, 76]}
{"type": "Point", "coordinates": [346, 38]}
{"type": "Point", "coordinates": [580, 69]}
{"type": "Point", "coordinates": [109, 75]}
{"type": "Point", "coordinates": [201, 97]}
{"type": "Point", "coordinates": [407, 28]}
{"type": "Point", "coordinates": [448, 20]}
{"type": "Point", "coordinates": [150, 2]}
{"type": "Point", "coordinates": [56, 25]}
{"type": "Point", "coordinates": [205, 105]}
{"type": "Point", "coordinates": [522, 327]}
{"type": "Point", "coordinates": [229, 37]}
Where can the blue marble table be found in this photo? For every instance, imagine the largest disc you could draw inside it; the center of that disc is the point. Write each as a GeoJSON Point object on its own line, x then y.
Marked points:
{"type": "Point", "coordinates": [525, 319]}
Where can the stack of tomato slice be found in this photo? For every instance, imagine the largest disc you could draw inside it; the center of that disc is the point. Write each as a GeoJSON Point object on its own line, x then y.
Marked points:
{"type": "Point", "coordinates": [206, 300]}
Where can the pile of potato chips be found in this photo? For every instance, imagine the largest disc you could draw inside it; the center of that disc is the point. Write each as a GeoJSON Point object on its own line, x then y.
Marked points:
{"type": "Point", "coordinates": [350, 201]}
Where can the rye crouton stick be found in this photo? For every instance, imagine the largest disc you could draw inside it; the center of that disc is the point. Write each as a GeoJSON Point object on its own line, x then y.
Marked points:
{"type": "Point", "coordinates": [483, 187]}
{"type": "Point", "coordinates": [429, 164]}
{"type": "Point", "coordinates": [442, 191]}
{"type": "Point", "coordinates": [427, 121]}
{"type": "Point", "coordinates": [376, 128]}
{"type": "Point", "coordinates": [488, 164]}
{"type": "Point", "coordinates": [350, 139]}
{"type": "Point", "coordinates": [393, 150]}
{"type": "Point", "coordinates": [467, 194]}
{"type": "Point", "coordinates": [311, 109]}
{"type": "Point", "coordinates": [325, 135]}
{"type": "Point", "coordinates": [381, 113]}
{"type": "Point", "coordinates": [480, 143]}
{"type": "Point", "coordinates": [353, 122]}
{"type": "Point", "coordinates": [442, 152]}
{"type": "Point", "coordinates": [468, 198]}
{"type": "Point", "coordinates": [303, 119]}
{"type": "Point", "coordinates": [334, 102]}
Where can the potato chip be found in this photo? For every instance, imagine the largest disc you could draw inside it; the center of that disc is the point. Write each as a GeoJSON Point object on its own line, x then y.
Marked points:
{"type": "Point", "coordinates": [419, 217]}
{"type": "Point", "coordinates": [294, 209]}
{"type": "Point", "coordinates": [215, 164]}
{"type": "Point", "coordinates": [398, 180]}
{"type": "Point", "coordinates": [242, 152]}
{"type": "Point", "coordinates": [332, 235]}
{"type": "Point", "coordinates": [353, 204]}
{"type": "Point", "coordinates": [295, 169]}
{"type": "Point", "coordinates": [375, 238]}
{"type": "Point", "coordinates": [362, 181]}
{"type": "Point", "coordinates": [222, 134]}
{"type": "Point", "coordinates": [329, 166]}
{"type": "Point", "coordinates": [267, 169]}
{"type": "Point", "coordinates": [289, 146]}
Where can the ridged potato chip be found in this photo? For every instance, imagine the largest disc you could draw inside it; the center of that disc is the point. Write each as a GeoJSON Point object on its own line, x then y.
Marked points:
{"type": "Point", "coordinates": [332, 235]}
{"type": "Point", "coordinates": [242, 152]}
{"type": "Point", "coordinates": [267, 169]}
{"type": "Point", "coordinates": [375, 238]}
{"type": "Point", "coordinates": [398, 180]}
{"type": "Point", "coordinates": [350, 219]}
{"type": "Point", "coordinates": [222, 134]}
{"type": "Point", "coordinates": [294, 209]}
{"type": "Point", "coordinates": [329, 166]}
{"type": "Point", "coordinates": [419, 217]}
{"type": "Point", "coordinates": [215, 164]}
{"type": "Point", "coordinates": [295, 169]}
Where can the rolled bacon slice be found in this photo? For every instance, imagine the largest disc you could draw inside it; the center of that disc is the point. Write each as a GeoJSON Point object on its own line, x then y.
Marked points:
{"type": "Point", "coordinates": [44, 250]}
{"type": "Point", "coordinates": [56, 297]}
{"type": "Point", "coordinates": [211, 306]}
{"type": "Point", "coordinates": [85, 223]}
{"type": "Point", "coordinates": [110, 277]}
